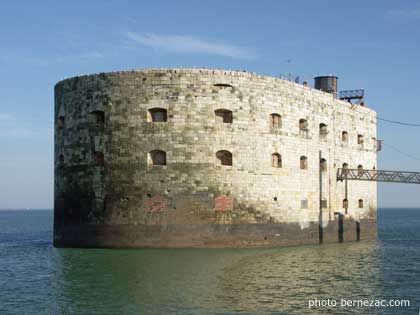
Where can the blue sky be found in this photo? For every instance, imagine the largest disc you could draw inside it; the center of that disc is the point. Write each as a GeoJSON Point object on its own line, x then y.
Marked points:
{"type": "Point", "coordinates": [368, 44]}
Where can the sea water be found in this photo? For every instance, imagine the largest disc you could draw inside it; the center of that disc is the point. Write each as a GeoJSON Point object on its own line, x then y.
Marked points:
{"type": "Point", "coordinates": [36, 278]}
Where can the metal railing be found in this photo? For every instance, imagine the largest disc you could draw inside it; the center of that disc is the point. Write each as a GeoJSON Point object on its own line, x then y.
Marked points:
{"type": "Point", "coordinates": [352, 94]}
{"type": "Point", "coordinates": [378, 176]}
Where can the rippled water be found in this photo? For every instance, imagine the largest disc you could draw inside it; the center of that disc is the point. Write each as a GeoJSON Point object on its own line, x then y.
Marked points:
{"type": "Point", "coordinates": [36, 278]}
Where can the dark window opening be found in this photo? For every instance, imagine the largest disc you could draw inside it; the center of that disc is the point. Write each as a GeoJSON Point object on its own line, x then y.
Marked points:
{"type": "Point", "coordinates": [324, 203]}
{"type": "Point", "coordinates": [345, 203]}
{"type": "Point", "coordinates": [345, 166]}
{"type": "Point", "coordinates": [60, 122]}
{"type": "Point", "coordinates": [323, 165]}
{"type": "Point", "coordinates": [275, 121]}
{"type": "Point", "coordinates": [303, 125]}
{"type": "Point", "coordinates": [360, 139]}
{"type": "Point", "coordinates": [303, 163]}
{"type": "Point", "coordinates": [360, 169]}
{"type": "Point", "coordinates": [344, 136]}
{"type": "Point", "coordinates": [378, 144]}
{"type": "Point", "coordinates": [157, 157]}
{"type": "Point", "coordinates": [323, 131]}
{"type": "Point", "coordinates": [61, 160]}
{"type": "Point", "coordinates": [224, 115]}
{"type": "Point", "coordinates": [98, 117]}
{"type": "Point", "coordinates": [225, 157]}
{"type": "Point", "coordinates": [276, 160]}
{"type": "Point", "coordinates": [223, 85]}
{"type": "Point", "coordinates": [157, 115]}
{"type": "Point", "coordinates": [360, 203]}
{"type": "Point", "coordinates": [99, 158]}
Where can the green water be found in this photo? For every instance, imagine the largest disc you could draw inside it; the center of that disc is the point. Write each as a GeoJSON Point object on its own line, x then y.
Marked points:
{"type": "Point", "coordinates": [36, 278]}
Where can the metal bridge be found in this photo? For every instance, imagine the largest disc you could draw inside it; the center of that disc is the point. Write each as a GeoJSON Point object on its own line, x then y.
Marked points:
{"type": "Point", "coordinates": [346, 174]}
{"type": "Point", "coordinates": [378, 176]}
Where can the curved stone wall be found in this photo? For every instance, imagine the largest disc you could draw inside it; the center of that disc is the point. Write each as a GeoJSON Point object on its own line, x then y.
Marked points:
{"type": "Point", "coordinates": [142, 159]}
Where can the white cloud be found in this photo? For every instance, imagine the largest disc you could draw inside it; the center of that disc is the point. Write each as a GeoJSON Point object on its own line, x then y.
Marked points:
{"type": "Point", "coordinates": [413, 13]}
{"type": "Point", "coordinates": [189, 44]}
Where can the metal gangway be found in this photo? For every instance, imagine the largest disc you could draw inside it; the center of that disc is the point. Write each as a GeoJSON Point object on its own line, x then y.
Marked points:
{"type": "Point", "coordinates": [344, 174]}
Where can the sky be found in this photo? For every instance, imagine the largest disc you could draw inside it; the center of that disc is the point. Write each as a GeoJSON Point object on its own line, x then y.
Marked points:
{"type": "Point", "coordinates": [368, 44]}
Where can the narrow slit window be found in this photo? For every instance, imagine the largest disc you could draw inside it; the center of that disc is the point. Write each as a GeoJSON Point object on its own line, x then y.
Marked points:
{"type": "Point", "coordinates": [345, 136]}
{"type": "Point", "coordinates": [61, 160]}
{"type": "Point", "coordinates": [276, 160]}
{"type": "Point", "coordinates": [323, 165]}
{"type": "Point", "coordinates": [99, 158]}
{"type": "Point", "coordinates": [378, 144]}
{"type": "Point", "coordinates": [360, 169]}
{"type": "Point", "coordinates": [360, 203]}
{"type": "Point", "coordinates": [60, 122]}
{"type": "Point", "coordinates": [224, 157]}
{"type": "Point", "coordinates": [360, 139]}
{"type": "Point", "coordinates": [345, 203]}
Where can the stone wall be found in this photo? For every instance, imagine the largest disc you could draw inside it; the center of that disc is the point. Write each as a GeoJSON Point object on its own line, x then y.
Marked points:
{"type": "Point", "coordinates": [193, 189]}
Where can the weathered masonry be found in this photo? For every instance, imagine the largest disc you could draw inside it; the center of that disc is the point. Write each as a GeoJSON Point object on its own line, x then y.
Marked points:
{"type": "Point", "coordinates": [207, 158]}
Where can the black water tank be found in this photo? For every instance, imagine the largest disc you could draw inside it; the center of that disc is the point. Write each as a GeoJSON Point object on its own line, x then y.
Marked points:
{"type": "Point", "coordinates": [327, 84]}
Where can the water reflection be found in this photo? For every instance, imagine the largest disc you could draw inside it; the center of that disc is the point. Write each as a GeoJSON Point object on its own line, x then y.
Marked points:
{"type": "Point", "coordinates": [37, 279]}
{"type": "Point", "coordinates": [228, 281]}
{"type": "Point", "coordinates": [284, 280]}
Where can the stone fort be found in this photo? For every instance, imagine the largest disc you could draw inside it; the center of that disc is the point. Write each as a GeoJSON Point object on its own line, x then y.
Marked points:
{"type": "Point", "coordinates": [208, 158]}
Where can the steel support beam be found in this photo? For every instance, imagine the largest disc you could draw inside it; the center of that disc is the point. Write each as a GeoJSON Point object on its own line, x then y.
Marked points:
{"type": "Point", "coordinates": [378, 176]}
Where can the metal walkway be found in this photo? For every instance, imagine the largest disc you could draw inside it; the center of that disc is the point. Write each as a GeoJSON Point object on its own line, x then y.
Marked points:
{"type": "Point", "coordinates": [378, 176]}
